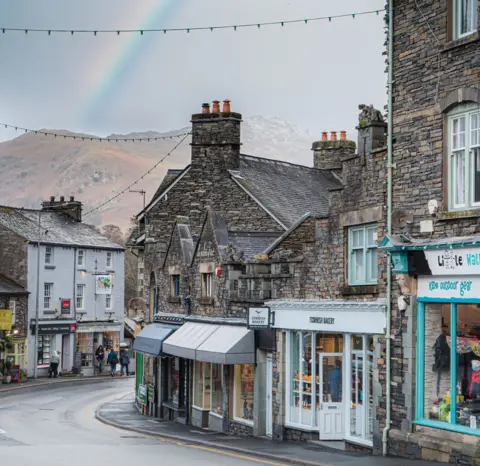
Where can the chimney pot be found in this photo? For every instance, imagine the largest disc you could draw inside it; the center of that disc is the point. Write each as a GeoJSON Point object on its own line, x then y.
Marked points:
{"type": "Point", "coordinates": [72, 198]}
{"type": "Point", "coordinates": [52, 198]}
{"type": "Point", "coordinates": [324, 136]}
{"type": "Point", "coordinates": [216, 106]}
{"type": "Point", "coordinates": [343, 135]}
{"type": "Point", "coordinates": [226, 106]}
{"type": "Point", "coordinates": [333, 136]}
{"type": "Point", "coordinates": [206, 108]}
{"type": "Point", "coordinates": [62, 198]}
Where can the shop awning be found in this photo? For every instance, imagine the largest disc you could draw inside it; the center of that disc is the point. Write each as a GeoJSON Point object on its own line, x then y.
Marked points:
{"type": "Point", "coordinates": [150, 339]}
{"type": "Point", "coordinates": [228, 345]}
{"type": "Point", "coordinates": [188, 338]}
{"type": "Point", "coordinates": [221, 344]}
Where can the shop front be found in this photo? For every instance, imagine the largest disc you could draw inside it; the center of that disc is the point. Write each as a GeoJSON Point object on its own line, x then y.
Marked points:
{"type": "Point", "coordinates": [52, 336]}
{"type": "Point", "coordinates": [162, 376]}
{"type": "Point", "coordinates": [219, 364]}
{"type": "Point", "coordinates": [89, 336]}
{"type": "Point", "coordinates": [329, 368]}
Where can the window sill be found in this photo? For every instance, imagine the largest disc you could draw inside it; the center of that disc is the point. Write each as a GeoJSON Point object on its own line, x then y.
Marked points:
{"type": "Point", "coordinates": [447, 426]}
{"type": "Point", "coordinates": [453, 44]}
{"type": "Point", "coordinates": [200, 409]}
{"type": "Point", "coordinates": [48, 312]}
{"type": "Point", "coordinates": [457, 214]}
{"type": "Point", "coordinates": [243, 421]}
{"type": "Point", "coordinates": [359, 441]}
{"type": "Point", "coordinates": [359, 290]}
{"type": "Point", "coordinates": [206, 301]}
{"type": "Point", "coordinates": [81, 311]}
{"type": "Point", "coordinates": [175, 300]}
{"type": "Point", "coordinates": [219, 416]}
{"type": "Point", "coordinates": [81, 268]}
{"type": "Point", "coordinates": [49, 267]}
{"type": "Point", "coordinates": [301, 427]}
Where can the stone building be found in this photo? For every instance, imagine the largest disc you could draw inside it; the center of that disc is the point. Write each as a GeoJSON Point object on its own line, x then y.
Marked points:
{"type": "Point", "coordinates": [434, 247]}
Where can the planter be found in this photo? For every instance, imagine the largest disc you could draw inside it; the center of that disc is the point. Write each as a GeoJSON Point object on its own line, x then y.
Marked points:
{"type": "Point", "coordinates": [8, 379]}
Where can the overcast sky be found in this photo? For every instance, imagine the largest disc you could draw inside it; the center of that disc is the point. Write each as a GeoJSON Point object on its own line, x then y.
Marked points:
{"type": "Point", "coordinates": [313, 75]}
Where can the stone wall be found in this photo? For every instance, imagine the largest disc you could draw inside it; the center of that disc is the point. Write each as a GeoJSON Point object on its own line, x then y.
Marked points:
{"type": "Point", "coordinates": [21, 312]}
{"type": "Point", "coordinates": [14, 254]}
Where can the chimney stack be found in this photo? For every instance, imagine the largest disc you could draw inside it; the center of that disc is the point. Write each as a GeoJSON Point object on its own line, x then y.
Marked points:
{"type": "Point", "coordinates": [329, 154]}
{"type": "Point", "coordinates": [72, 208]}
{"type": "Point", "coordinates": [372, 129]}
{"type": "Point", "coordinates": [216, 106]}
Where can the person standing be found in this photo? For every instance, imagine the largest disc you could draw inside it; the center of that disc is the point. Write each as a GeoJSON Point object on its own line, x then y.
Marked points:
{"type": "Point", "coordinates": [100, 355]}
{"type": "Point", "coordinates": [124, 361]}
{"type": "Point", "coordinates": [112, 359]}
{"type": "Point", "coordinates": [54, 363]}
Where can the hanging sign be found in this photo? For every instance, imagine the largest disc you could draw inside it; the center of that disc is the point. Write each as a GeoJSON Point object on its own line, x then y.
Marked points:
{"type": "Point", "coordinates": [454, 261]}
{"type": "Point", "coordinates": [259, 317]}
{"type": "Point", "coordinates": [5, 319]}
{"type": "Point", "coordinates": [103, 284]}
{"type": "Point", "coordinates": [448, 287]}
{"type": "Point", "coordinates": [65, 306]}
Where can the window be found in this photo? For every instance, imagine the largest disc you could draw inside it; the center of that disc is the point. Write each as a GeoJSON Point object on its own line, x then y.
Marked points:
{"type": "Point", "coordinates": [108, 301]}
{"type": "Point", "coordinates": [80, 303]}
{"type": "Point", "coordinates": [243, 392]}
{"type": "Point", "coordinates": [363, 258]}
{"type": "Point", "coordinates": [464, 157]}
{"type": "Point", "coordinates": [47, 295]}
{"type": "Point", "coordinates": [81, 258]}
{"type": "Point", "coordinates": [175, 288]}
{"type": "Point", "coordinates": [44, 349]}
{"type": "Point", "coordinates": [207, 285]}
{"type": "Point", "coordinates": [202, 385]}
{"type": "Point", "coordinates": [12, 305]}
{"type": "Point", "coordinates": [217, 389]}
{"type": "Point", "coordinates": [465, 17]}
{"type": "Point", "coordinates": [48, 255]}
{"type": "Point", "coordinates": [85, 348]}
{"type": "Point", "coordinates": [174, 381]}
{"type": "Point", "coordinates": [109, 259]}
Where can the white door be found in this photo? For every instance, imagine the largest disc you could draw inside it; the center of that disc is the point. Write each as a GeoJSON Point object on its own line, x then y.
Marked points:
{"type": "Point", "coordinates": [269, 416]}
{"type": "Point", "coordinates": [331, 397]}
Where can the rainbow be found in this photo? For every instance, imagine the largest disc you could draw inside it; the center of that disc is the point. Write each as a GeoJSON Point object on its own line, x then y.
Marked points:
{"type": "Point", "coordinates": [117, 62]}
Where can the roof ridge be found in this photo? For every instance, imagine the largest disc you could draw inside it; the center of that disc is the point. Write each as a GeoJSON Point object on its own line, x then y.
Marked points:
{"type": "Point", "coordinates": [283, 162]}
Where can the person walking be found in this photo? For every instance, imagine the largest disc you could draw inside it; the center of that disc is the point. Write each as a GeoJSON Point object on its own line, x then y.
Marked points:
{"type": "Point", "coordinates": [112, 359]}
{"type": "Point", "coordinates": [54, 362]}
{"type": "Point", "coordinates": [124, 361]}
{"type": "Point", "coordinates": [100, 355]}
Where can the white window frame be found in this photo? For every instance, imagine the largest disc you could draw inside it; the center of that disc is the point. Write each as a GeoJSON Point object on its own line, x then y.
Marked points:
{"type": "Point", "coordinates": [47, 296]}
{"type": "Point", "coordinates": [471, 145]}
{"type": "Point", "coordinates": [49, 255]}
{"type": "Point", "coordinates": [457, 14]}
{"type": "Point", "coordinates": [109, 262]}
{"type": "Point", "coordinates": [81, 255]}
{"type": "Point", "coordinates": [202, 408]}
{"type": "Point", "coordinates": [367, 251]}
{"type": "Point", "coordinates": [12, 305]}
{"type": "Point", "coordinates": [207, 285]}
{"type": "Point", "coordinates": [80, 297]}
{"type": "Point", "coordinates": [211, 388]}
{"type": "Point", "coordinates": [108, 301]}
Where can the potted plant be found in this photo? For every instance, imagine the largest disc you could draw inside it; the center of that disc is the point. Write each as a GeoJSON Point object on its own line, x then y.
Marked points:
{"type": "Point", "coordinates": [8, 366]}
{"type": "Point", "coordinates": [8, 342]}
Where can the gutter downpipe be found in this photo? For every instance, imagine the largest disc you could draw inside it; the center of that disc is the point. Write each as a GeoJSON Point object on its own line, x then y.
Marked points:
{"type": "Point", "coordinates": [37, 298]}
{"type": "Point", "coordinates": [390, 166]}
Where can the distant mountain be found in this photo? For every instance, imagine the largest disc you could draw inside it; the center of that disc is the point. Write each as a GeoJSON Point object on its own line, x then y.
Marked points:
{"type": "Point", "coordinates": [34, 167]}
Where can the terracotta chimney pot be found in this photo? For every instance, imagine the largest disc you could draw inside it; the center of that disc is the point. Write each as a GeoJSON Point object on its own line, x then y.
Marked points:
{"type": "Point", "coordinates": [52, 198]}
{"type": "Point", "coordinates": [216, 106]}
{"type": "Point", "coordinates": [72, 198]}
{"type": "Point", "coordinates": [333, 136]}
{"type": "Point", "coordinates": [343, 135]}
{"type": "Point", "coordinates": [324, 136]}
{"type": "Point", "coordinates": [205, 108]}
{"type": "Point", "coordinates": [226, 106]}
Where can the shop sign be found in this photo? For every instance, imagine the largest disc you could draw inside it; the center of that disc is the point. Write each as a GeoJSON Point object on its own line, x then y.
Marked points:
{"type": "Point", "coordinates": [54, 328]}
{"type": "Point", "coordinates": [448, 287]}
{"type": "Point", "coordinates": [259, 318]}
{"type": "Point", "coordinates": [142, 394]}
{"type": "Point", "coordinates": [98, 328]}
{"type": "Point", "coordinates": [322, 320]}
{"type": "Point", "coordinates": [454, 261]}
{"type": "Point", "coordinates": [5, 319]}
{"type": "Point", "coordinates": [65, 305]}
{"type": "Point", "coordinates": [103, 284]}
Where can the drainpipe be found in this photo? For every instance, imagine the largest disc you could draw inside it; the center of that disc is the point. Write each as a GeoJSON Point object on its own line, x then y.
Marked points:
{"type": "Point", "coordinates": [74, 305]}
{"type": "Point", "coordinates": [390, 166]}
{"type": "Point", "coordinates": [37, 298]}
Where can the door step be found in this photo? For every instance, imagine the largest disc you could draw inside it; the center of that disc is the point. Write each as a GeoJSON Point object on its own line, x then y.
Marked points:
{"type": "Point", "coordinates": [330, 444]}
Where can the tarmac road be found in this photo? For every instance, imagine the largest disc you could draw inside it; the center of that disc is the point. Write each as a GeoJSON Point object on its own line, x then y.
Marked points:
{"type": "Point", "coordinates": [56, 425]}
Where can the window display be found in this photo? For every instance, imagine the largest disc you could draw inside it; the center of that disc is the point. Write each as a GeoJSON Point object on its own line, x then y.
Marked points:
{"type": "Point", "coordinates": [85, 348]}
{"type": "Point", "coordinates": [244, 391]}
{"type": "Point", "coordinates": [202, 385]}
{"type": "Point", "coordinates": [174, 379]}
{"type": "Point", "coordinates": [217, 392]}
{"type": "Point", "coordinates": [45, 349]}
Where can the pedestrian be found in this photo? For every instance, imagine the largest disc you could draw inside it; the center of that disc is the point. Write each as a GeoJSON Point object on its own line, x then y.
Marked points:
{"type": "Point", "coordinates": [100, 355]}
{"type": "Point", "coordinates": [112, 359]}
{"type": "Point", "coordinates": [124, 361]}
{"type": "Point", "coordinates": [54, 362]}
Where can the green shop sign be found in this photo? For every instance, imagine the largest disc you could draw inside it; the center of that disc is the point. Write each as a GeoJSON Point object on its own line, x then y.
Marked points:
{"type": "Point", "coordinates": [142, 394]}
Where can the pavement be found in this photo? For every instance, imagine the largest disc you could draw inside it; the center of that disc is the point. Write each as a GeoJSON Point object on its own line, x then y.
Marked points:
{"type": "Point", "coordinates": [122, 413]}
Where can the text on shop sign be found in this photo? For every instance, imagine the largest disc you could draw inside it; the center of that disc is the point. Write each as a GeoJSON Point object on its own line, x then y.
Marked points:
{"type": "Point", "coordinates": [454, 261]}
{"type": "Point", "coordinates": [448, 287]}
{"type": "Point", "coordinates": [322, 320]}
{"type": "Point", "coordinates": [461, 286]}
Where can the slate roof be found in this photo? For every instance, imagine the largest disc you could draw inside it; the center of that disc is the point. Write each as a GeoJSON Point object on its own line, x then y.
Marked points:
{"type": "Point", "coordinates": [252, 243]}
{"type": "Point", "coordinates": [56, 228]}
{"type": "Point", "coordinates": [168, 179]}
{"type": "Point", "coordinates": [9, 287]}
{"type": "Point", "coordinates": [286, 190]}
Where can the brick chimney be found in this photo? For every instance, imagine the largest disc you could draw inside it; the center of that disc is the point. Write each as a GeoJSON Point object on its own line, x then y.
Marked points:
{"type": "Point", "coordinates": [216, 139]}
{"type": "Point", "coordinates": [329, 153]}
{"type": "Point", "coordinates": [72, 208]}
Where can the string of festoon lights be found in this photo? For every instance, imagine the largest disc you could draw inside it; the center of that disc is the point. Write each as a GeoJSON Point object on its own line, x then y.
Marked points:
{"type": "Point", "coordinates": [168, 154]}
{"type": "Point", "coordinates": [90, 138]}
{"type": "Point", "coordinates": [232, 27]}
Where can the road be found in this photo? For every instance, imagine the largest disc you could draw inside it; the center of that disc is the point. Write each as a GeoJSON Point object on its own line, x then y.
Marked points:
{"type": "Point", "coordinates": [55, 425]}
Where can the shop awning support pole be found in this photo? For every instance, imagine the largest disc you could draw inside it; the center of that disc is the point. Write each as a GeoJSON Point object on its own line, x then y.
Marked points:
{"type": "Point", "coordinates": [388, 336]}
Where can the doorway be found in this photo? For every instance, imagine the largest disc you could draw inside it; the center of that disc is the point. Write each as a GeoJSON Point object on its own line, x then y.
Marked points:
{"type": "Point", "coordinates": [269, 387]}
{"type": "Point", "coordinates": [330, 416]}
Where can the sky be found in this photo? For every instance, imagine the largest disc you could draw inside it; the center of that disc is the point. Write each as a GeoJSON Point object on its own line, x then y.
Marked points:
{"type": "Point", "coordinates": [313, 75]}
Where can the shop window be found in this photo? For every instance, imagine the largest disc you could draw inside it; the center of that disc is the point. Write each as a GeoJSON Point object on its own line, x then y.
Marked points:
{"type": "Point", "coordinates": [202, 385]}
{"type": "Point", "coordinates": [47, 296]}
{"type": "Point", "coordinates": [48, 255]}
{"type": "Point", "coordinates": [85, 348]}
{"type": "Point", "coordinates": [81, 258]}
{"type": "Point", "coordinates": [217, 389]}
{"type": "Point", "coordinates": [464, 157]}
{"type": "Point", "coordinates": [175, 286]}
{"type": "Point", "coordinates": [109, 259]}
{"type": "Point", "coordinates": [207, 285]}
{"type": "Point", "coordinates": [80, 297]}
{"type": "Point", "coordinates": [465, 17]}
{"type": "Point", "coordinates": [362, 255]}
{"type": "Point", "coordinates": [243, 392]}
{"type": "Point", "coordinates": [45, 349]}
{"type": "Point", "coordinates": [174, 379]}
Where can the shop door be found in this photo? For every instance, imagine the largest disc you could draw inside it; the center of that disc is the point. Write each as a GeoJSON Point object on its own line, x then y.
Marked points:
{"type": "Point", "coordinates": [331, 414]}
{"type": "Point", "coordinates": [269, 417]}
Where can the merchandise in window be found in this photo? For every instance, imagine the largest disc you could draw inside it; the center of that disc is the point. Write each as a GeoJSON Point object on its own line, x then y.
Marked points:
{"type": "Point", "coordinates": [85, 348]}
{"type": "Point", "coordinates": [202, 385]}
{"type": "Point", "coordinates": [464, 160]}
{"type": "Point", "coordinates": [174, 378]}
{"type": "Point", "coordinates": [363, 256]}
{"type": "Point", "coordinates": [45, 349]}
{"type": "Point", "coordinates": [243, 392]}
{"type": "Point", "coordinates": [465, 17]}
{"type": "Point", "coordinates": [217, 389]}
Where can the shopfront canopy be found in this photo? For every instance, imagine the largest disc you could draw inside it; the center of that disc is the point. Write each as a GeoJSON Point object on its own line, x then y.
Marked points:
{"type": "Point", "coordinates": [150, 339]}
{"type": "Point", "coordinates": [220, 344]}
